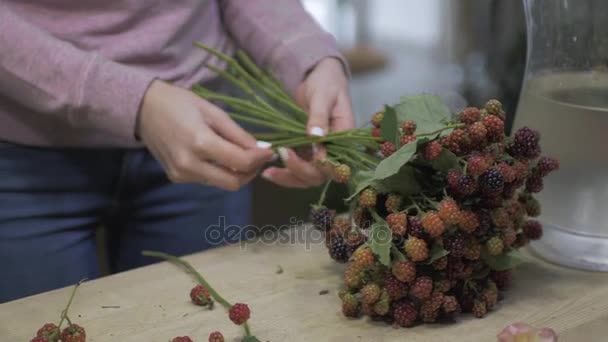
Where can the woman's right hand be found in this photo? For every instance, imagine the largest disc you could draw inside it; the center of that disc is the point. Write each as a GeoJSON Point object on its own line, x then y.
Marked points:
{"type": "Point", "coordinates": [196, 141]}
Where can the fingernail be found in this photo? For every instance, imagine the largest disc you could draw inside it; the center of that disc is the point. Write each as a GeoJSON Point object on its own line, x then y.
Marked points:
{"type": "Point", "coordinates": [284, 154]}
{"type": "Point", "coordinates": [275, 157]}
{"type": "Point", "coordinates": [267, 174]}
{"type": "Point", "coordinates": [317, 131]}
{"type": "Point", "coordinates": [263, 144]}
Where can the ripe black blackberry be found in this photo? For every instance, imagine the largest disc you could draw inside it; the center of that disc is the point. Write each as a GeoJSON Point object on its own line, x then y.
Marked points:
{"type": "Point", "coordinates": [321, 217]}
{"type": "Point", "coordinates": [491, 182]}
{"type": "Point", "coordinates": [338, 249]}
{"type": "Point", "coordinates": [533, 230]}
{"type": "Point", "coordinates": [466, 185]}
{"type": "Point", "coordinates": [455, 244]}
{"type": "Point", "coordinates": [525, 144]}
{"type": "Point", "coordinates": [534, 184]}
{"type": "Point", "coordinates": [502, 279]}
{"type": "Point", "coordinates": [415, 228]}
{"type": "Point", "coordinates": [395, 288]}
{"type": "Point", "coordinates": [405, 313]}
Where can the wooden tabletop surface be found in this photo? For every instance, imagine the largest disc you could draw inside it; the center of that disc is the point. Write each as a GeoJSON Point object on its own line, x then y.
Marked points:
{"type": "Point", "coordinates": [151, 304]}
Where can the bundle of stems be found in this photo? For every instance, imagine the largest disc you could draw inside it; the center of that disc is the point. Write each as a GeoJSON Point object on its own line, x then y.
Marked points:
{"type": "Point", "coordinates": [266, 105]}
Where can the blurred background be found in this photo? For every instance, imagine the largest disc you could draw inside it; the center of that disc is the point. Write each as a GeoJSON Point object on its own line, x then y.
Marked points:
{"type": "Point", "coordinates": [466, 51]}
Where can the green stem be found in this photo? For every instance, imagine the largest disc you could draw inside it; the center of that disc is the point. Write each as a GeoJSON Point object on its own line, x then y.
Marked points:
{"type": "Point", "coordinates": [416, 204]}
{"type": "Point", "coordinates": [324, 192]}
{"type": "Point", "coordinates": [260, 122]}
{"type": "Point", "coordinates": [260, 74]}
{"type": "Point", "coordinates": [440, 130]}
{"type": "Point", "coordinates": [64, 313]}
{"type": "Point", "coordinates": [428, 200]}
{"type": "Point", "coordinates": [270, 136]}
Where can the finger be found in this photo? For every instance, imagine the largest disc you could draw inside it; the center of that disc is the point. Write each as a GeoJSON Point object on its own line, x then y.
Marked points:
{"type": "Point", "coordinates": [342, 116]}
{"type": "Point", "coordinates": [228, 129]}
{"type": "Point", "coordinates": [195, 170]}
{"type": "Point", "coordinates": [321, 105]}
{"type": "Point", "coordinates": [302, 169]}
{"type": "Point", "coordinates": [283, 177]}
{"type": "Point", "coordinates": [214, 147]}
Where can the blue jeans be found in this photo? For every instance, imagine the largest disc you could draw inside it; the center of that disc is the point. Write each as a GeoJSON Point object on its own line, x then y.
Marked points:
{"type": "Point", "coordinates": [52, 202]}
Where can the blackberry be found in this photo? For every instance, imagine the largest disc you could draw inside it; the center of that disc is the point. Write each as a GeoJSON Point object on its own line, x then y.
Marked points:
{"type": "Point", "coordinates": [363, 258]}
{"type": "Point", "coordinates": [450, 305]}
{"type": "Point", "coordinates": [393, 202]}
{"type": "Point", "coordinates": [416, 229]}
{"type": "Point", "coordinates": [477, 164]}
{"type": "Point", "coordinates": [468, 221]}
{"type": "Point", "coordinates": [406, 139]}
{"type": "Point", "coordinates": [466, 185]}
{"type": "Point", "coordinates": [455, 244]}
{"type": "Point", "coordinates": [321, 217]}
{"type": "Point", "coordinates": [485, 223]}
{"type": "Point", "coordinates": [490, 298]}
{"type": "Point", "coordinates": [509, 190]}
{"type": "Point", "coordinates": [341, 225]}
{"type": "Point", "coordinates": [440, 264]}
{"type": "Point", "coordinates": [449, 211]}
{"type": "Point", "coordinates": [495, 127]}
{"type": "Point", "coordinates": [534, 184]}
{"type": "Point", "coordinates": [353, 276]}
{"type": "Point", "coordinates": [472, 250]}
{"type": "Point", "coordinates": [470, 115]}
{"type": "Point", "coordinates": [368, 198]}
{"type": "Point", "coordinates": [525, 144]}
{"type": "Point", "coordinates": [507, 172]}
{"type": "Point", "coordinates": [405, 313]}
{"type": "Point", "coordinates": [338, 250]}
{"type": "Point", "coordinates": [457, 142]}
{"type": "Point", "coordinates": [387, 148]}
{"type": "Point", "coordinates": [495, 245]}
{"type": "Point", "coordinates": [479, 308]}
{"type": "Point", "coordinates": [520, 240]}
{"type": "Point", "coordinates": [491, 182]}
{"type": "Point", "coordinates": [383, 305]}
{"type": "Point", "coordinates": [493, 107]}
{"type": "Point", "coordinates": [453, 178]}
{"type": "Point", "coordinates": [502, 279]}
{"type": "Point", "coordinates": [342, 173]}
{"type": "Point", "coordinates": [443, 285]}
{"type": "Point", "coordinates": [416, 249]}
{"type": "Point", "coordinates": [376, 132]}
{"type": "Point", "coordinates": [362, 218]}
{"type": "Point", "coordinates": [421, 288]}
{"type": "Point", "coordinates": [377, 119]}
{"type": "Point", "coordinates": [521, 171]}
{"type": "Point", "coordinates": [370, 293]}
{"type": "Point", "coordinates": [477, 132]}
{"type": "Point", "coordinates": [432, 224]}
{"type": "Point", "coordinates": [432, 150]}
{"type": "Point", "coordinates": [491, 201]}
{"type": "Point", "coordinates": [408, 127]}
{"type": "Point", "coordinates": [532, 206]}
{"type": "Point", "coordinates": [509, 236]}
{"type": "Point", "coordinates": [404, 271]}
{"type": "Point", "coordinates": [428, 313]}
{"type": "Point", "coordinates": [500, 217]}
{"type": "Point", "coordinates": [546, 165]}
{"type": "Point", "coordinates": [533, 230]}
{"type": "Point", "coordinates": [395, 288]}
{"type": "Point", "coordinates": [350, 305]}
{"type": "Point", "coordinates": [397, 222]}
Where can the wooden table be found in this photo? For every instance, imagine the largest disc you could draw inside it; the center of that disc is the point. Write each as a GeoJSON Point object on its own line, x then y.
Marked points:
{"type": "Point", "coordinates": [151, 304]}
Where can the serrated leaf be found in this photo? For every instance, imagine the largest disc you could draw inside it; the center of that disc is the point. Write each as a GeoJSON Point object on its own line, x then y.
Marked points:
{"type": "Point", "coordinates": [397, 254]}
{"type": "Point", "coordinates": [251, 339]}
{"type": "Point", "coordinates": [437, 252]}
{"type": "Point", "coordinates": [361, 180]}
{"type": "Point", "coordinates": [504, 261]}
{"type": "Point", "coordinates": [380, 239]}
{"type": "Point", "coordinates": [390, 127]}
{"type": "Point", "coordinates": [428, 111]}
{"type": "Point", "coordinates": [445, 161]}
{"type": "Point", "coordinates": [391, 165]}
{"type": "Point", "coordinates": [404, 182]}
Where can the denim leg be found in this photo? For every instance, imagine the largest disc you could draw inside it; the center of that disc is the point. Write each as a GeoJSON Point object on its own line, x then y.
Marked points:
{"type": "Point", "coordinates": [51, 201]}
{"type": "Point", "coordinates": [175, 218]}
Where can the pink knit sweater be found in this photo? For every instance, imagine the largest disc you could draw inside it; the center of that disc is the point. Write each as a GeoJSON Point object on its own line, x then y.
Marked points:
{"type": "Point", "coordinates": [74, 72]}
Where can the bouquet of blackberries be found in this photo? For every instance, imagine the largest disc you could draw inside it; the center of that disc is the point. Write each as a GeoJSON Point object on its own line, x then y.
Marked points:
{"type": "Point", "coordinates": [439, 203]}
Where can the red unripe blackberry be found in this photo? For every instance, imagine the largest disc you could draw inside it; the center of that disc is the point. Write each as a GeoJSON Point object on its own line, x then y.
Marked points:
{"type": "Point", "coordinates": [404, 271]}
{"type": "Point", "coordinates": [181, 339]}
{"type": "Point", "coordinates": [533, 230]}
{"type": "Point", "coordinates": [416, 249]}
{"type": "Point", "coordinates": [507, 172]}
{"type": "Point", "coordinates": [406, 139]}
{"type": "Point", "coordinates": [370, 293]}
{"type": "Point", "coordinates": [440, 264]}
{"type": "Point", "coordinates": [509, 236]}
{"type": "Point", "coordinates": [428, 314]}
{"type": "Point", "coordinates": [450, 305]}
{"type": "Point", "coordinates": [387, 148]}
{"type": "Point", "coordinates": [393, 202]}
{"type": "Point", "coordinates": [479, 308]}
{"type": "Point", "coordinates": [46, 330]}
{"type": "Point", "coordinates": [472, 250]}
{"type": "Point", "coordinates": [421, 288]}
{"type": "Point", "coordinates": [377, 119]}
{"type": "Point", "coordinates": [395, 288]}
{"type": "Point", "coordinates": [216, 336]}
{"type": "Point", "coordinates": [397, 222]}
{"type": "Point", "coordinates": [495, 245]}
{"type": "Point", "coordinates": [337, 248]}
{"type": "Point", "coordinates": [341, 225]}
{"type": "Point", "coordinates": [477, 132]}
{"type": "Point", "coordinates": [495, 127]}
{"type": "Point", "coordinates": [502, 279]}
{"type": "Point", "coordinates": [443, 285]}
{"type": "Point", "coordinates": [405, 313]}
{"type": "Point", "coordinates": [432, 224]}
{"type": "Point", "coordinates": [376, 132]}
{"type": "Point", "coordinates": [521, 170]}
{"type": "Point", "coordinates": [453, 177]}
{"type": "Point", "coordinates": [491, 182]}
{"type": "Point", "coordinates": [477, 164]}
{"type": "Point", "coordinates": [525, 144]}
{"type": "Point", "coordinates": [321, 217]}
{"type": "Point", "coordinates": [39, 339]}
{"type": "Point", "coordinates": [199, 295]}
{"type": "Point", "coordinates": [408, 127]}
{"type": "Point", "coordinates": [458, 141]}
{"type": "Point", "coordinates": [449, 211]}
{"type": "Point", "coordinates": [368, 198]}
{"type": "Point", "coordinates": [470, 115]}
{"type": "Point", "coordinates": [432, 150]}
{"type": "Point", "coordinates": [500, 217]}
{"type": "Point", "coordinates": [239, 313]}
{"type": "Point", "coordinates": [73, 333]}
{"type": "Point", "coordinates": [534, 184]}
{"type": "Point", "coordinates": [350, 305]}
{"type": "Point", "coordinates": [342, 173]}
{"type": "Point", "coordinates": [466, 185]}
{"type": "Point", "coordinates": [363, 258]}
{"type": "Point", "coordinates": [546, 165]}
{"type": "Point", "coordinates": [468, 221]}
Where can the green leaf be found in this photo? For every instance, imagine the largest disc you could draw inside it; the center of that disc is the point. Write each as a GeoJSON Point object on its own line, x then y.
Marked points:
{"type": "Point", "coordinates": [404, 182]}
{"type": "Point", "coordinates": [445, 162]}
{"type": "Point", "coordinates": [380, 240]}
{"type": "Point", "coordinates": [428, 111]}
{"type": "Point", "coordinates": [390, 127]}
{"type": "Point", "coordinates": [437, 252]}
{"type": "Point", "coordinates": [504, 261]}
{"type": "Point", "coordinates": [251, 339]}
{"type": "Point", "coordinates": [361, 180]}
{"type": "Point", "coordinates": [397, 254]}
{"type": "Point", "coordinates": [391, 165]}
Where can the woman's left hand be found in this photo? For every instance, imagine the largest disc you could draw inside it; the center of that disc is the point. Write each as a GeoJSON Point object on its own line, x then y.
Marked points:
{"type": "Point", "coordinates": [324, 94]}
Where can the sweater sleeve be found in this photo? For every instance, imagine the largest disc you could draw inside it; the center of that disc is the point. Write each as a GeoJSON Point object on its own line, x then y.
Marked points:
{"type": "Point", "coordinates": [53, 77]}
{"type": "Point", "coordinates": [280, 35]}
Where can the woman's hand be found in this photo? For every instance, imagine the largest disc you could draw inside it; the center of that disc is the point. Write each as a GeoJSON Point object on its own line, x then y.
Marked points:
{"type": "Point", "coordinates": [324, 94]}
{"type": "Point", "coordinates": [196, 141]}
